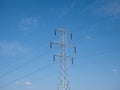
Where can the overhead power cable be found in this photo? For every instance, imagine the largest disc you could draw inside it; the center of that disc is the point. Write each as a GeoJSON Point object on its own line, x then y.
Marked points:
{"type": "Point", "coordinates": [27, 75]}
{"type": "Point", "coordinates": [25, 64]}
{"type": "Point", "coordinates": [28, 54]}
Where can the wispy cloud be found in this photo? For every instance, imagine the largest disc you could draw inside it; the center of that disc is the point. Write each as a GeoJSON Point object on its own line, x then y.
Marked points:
{"type": "Point", "coordinates": [28, 23]}
{"type": "Point", "coordinates": [66, 9]}
{"type": "Point", "coordinates": [18, 83]}
{"type": "Point", "coordinates": [109, 9]}
{"type": "Point", "coordinates": [87, 37]}
{"type": "Point", "coordinates": [13, 48]}
{"type": "Point", "coordinates": [115, 71]}
{"type": "Point", "coordinates": [28, 83]}
{"type": "Point", "coordinates": [106, 8]}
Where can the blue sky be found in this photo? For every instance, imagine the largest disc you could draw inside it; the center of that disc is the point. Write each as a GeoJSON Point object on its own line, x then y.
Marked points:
{"type": "Point", "coordinates": [27, 27]}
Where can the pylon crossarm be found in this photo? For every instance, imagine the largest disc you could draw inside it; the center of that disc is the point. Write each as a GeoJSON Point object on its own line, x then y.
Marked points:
{"type": "Point", "coordinates": [54, 42]}
{"type": "Point", "coordinates": [71, 46]}
{"type": "Point", "coordinates": [58, 30]}
{"type": "Point", "coordinates": [54, 57]}
{"type": "Point", "coordinates": [72, 59]}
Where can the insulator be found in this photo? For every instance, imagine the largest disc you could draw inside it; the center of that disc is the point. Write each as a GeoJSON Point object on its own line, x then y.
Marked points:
{"type": "Point", "coordinates": [75, 50]}
{"type": "Point", "coordinates": [70, 35]}
{"type": "Point", "coordinates": [50, 44]}
{"type": "Point", "coordinates": [72, 61]}
{"type": "Point", "coordinates": [54, 58]}
{"type": "Point", "coordinates": [55, 32]}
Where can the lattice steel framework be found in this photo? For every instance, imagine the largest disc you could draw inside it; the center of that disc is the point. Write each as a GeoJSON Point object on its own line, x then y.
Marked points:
{"type": "Point", "coordinates": [64, 81]}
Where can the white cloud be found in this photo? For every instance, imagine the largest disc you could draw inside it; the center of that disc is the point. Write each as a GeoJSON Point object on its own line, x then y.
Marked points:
{"type": "Point", "coordinates": [87, 37]}
{"type": "Point", "coordinates": [12, 48]}
{"type": "Point", "coordinates": [28, 83]}
{"type": "Point", "coordinates": [28, 23]}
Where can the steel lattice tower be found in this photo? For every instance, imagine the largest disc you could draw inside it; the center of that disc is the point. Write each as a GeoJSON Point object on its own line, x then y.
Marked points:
{"type": "Point", "coordinates": [64, 82]}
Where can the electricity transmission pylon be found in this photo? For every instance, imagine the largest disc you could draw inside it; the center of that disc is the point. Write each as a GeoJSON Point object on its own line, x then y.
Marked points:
{"type": "Point", "coordinates": [64, 82]}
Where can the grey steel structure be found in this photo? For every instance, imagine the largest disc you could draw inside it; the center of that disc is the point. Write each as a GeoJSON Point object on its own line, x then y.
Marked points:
{"type": "Point", "coordinates": [64, 81]}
